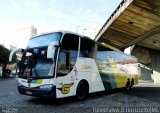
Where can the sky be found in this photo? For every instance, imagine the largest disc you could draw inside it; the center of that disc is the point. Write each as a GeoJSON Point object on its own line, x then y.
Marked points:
{"type": "Point", "coordinates": [85, 17]}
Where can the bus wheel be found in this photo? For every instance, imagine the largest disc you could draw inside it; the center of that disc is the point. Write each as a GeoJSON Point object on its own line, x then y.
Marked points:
{"type": "Point", "coordinates": [82, 91]}
{"type": "Point", "coordinates": [132, 82]}
{"type": "Point", "coordinates": [128, 86]}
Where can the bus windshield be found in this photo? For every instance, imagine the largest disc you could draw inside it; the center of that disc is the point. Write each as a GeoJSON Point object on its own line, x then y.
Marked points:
{"type": "Point", "coordinates": [44, 40]}
{"type": "Point", "coordinates": [35, 64]}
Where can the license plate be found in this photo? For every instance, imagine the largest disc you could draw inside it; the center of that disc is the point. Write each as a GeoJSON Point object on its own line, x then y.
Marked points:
{"type": "Point", "coordinates": [28, 92]}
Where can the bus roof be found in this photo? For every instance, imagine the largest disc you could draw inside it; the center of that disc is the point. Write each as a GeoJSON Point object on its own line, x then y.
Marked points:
{"type": "Point", "coordinates": [61, 31]}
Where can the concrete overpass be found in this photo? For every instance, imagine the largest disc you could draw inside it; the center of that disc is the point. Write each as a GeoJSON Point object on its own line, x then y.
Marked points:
{"type": "Point", "coordinates": [136, 22]}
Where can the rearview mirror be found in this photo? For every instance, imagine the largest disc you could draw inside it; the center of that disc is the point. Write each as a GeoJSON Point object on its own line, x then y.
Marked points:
{"type": "Point", "coordinates": [51, 50]}
{"type": "Point", "coordinates": [14, 50]}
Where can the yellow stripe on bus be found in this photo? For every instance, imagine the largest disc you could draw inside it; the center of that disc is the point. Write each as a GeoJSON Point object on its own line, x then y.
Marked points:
{"type": "Point", "coordinates": [39, 81]}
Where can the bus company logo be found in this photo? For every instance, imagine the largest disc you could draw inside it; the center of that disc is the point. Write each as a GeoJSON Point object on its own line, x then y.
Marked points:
{"type": "Point", "coordinates": [65, 88]}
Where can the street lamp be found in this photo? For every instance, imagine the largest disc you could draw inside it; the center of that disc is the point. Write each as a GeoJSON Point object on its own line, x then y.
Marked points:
{"type": "Point", "coordinates": [84, 31]}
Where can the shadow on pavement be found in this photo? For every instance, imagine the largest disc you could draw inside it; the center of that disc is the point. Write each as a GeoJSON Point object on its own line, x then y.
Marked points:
{"type": "Point", "coordinates": [69, 100]}
{"type": "Point", "coordinates": [147, 92]}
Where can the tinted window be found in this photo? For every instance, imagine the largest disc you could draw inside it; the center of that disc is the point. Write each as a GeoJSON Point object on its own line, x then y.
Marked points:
{"type": "Point", "coordinates": [102, 54]}
{"type": "Point", "coordinates": [68, 54]}
{"type": "Point", "coordinates": [106, 57]}
{"type": "Point", "coordinates": [43, 40]}
{"type": "Point", "coordinates": [87, 48]}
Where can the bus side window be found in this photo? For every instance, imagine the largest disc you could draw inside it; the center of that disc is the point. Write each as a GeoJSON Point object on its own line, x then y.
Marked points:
{"type": "Point", "coordinates": [73, 58]}
{"type": "Point", "coordinates": [63, 65]}
{"type": "Point", "coordinates": [68, 54]}
{"type": "Point", "coordinates": [87, 48]}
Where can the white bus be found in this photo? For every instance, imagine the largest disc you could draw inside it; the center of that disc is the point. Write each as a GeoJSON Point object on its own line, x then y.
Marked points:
{"type": "Point", "coordinates": [62, 64]}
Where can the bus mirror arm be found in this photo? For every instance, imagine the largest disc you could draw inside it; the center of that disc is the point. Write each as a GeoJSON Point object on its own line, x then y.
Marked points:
{"type": "Point", "coordinates": [58, 45]}
{"type": "Point", "coordinates": [14, 51]}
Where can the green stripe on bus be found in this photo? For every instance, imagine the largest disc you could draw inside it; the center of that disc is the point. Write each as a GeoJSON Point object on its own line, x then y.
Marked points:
{"type": "Point", "coordinates": [108, 80]}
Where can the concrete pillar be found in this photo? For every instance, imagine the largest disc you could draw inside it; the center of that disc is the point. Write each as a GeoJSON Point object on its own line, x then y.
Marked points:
{"type": "Point", "coordinates": [155, 62]}
{"type": "Point", "coordinates": [146, 72]}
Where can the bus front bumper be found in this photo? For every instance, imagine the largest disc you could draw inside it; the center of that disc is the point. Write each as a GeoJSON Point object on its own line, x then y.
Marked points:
{"type": "Point", "coordinates": [37, 92]}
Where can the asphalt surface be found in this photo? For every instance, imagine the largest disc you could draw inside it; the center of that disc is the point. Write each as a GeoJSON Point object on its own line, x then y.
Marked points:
{"type": "Point", "coordinates": [143, 98]}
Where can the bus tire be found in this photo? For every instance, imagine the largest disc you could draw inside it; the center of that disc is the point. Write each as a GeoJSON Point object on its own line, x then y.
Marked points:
{"type": "Point", "coordinates": [128, 85]}
{"type": "Point", "coordinates": [82, 90]}
{"type": "Point", "coordinates": [132, 82]}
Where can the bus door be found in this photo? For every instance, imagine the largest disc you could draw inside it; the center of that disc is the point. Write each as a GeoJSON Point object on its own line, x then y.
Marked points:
{"type": "Point", "coordinates": [64, 80]}
{"type": "Point", "coordinates": [65, 66]}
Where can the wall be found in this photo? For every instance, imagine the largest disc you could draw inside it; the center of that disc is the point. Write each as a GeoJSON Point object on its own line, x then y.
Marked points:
{"type": "Point", "coordinates": [146, 72]}
{"type": "Point", "coordinates": [155, 62]}
{"type": "Point", "coordinates": [151, 60]}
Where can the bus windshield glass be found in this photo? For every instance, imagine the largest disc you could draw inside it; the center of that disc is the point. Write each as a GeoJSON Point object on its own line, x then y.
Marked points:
{"type": "Point", "coordinates": [44, 40]}
{"type": "Point", "coordinates": [35, 64]}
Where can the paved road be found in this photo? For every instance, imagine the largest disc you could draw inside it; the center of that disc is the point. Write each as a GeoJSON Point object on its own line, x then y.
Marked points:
{"type": "Point", "coordinates": [145, 97]}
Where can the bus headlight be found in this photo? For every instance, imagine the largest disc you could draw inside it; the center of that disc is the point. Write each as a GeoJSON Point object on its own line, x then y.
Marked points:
{"type": "Point", "coordinates": [47, 86]}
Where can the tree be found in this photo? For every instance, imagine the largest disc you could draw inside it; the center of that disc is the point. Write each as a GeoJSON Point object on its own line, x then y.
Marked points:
{"type": "Point", "coordinates": [4, 55]}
